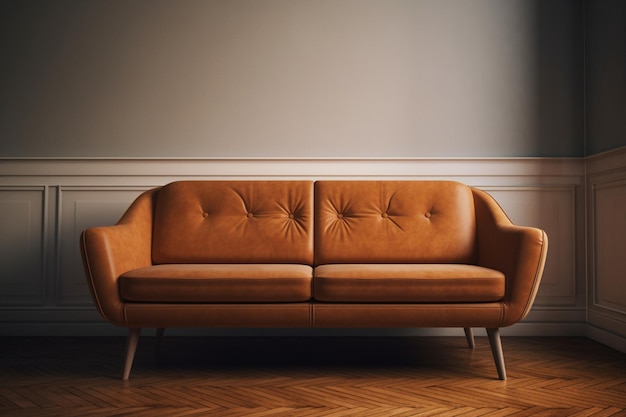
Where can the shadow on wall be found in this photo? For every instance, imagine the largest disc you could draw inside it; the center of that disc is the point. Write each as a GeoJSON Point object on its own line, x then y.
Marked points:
{"type": "Point", "coordinates": [605, 75]}
{"type": "Point", "coordinates": [558, 68]}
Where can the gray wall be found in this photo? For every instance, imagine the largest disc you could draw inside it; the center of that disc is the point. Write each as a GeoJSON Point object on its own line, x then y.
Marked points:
{"type": "Point", "coordinates": [606, 75]}
{"type": "Point", "coordinates": [207, 78]}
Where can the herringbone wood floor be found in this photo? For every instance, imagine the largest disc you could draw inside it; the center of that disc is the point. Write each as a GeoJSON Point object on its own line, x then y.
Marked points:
{"type": "Point", "coordinates": [310, 377]}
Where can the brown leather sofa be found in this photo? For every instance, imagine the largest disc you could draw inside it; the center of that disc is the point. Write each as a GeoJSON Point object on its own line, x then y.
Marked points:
{"type": "Point", "coordinates": [304, 254]}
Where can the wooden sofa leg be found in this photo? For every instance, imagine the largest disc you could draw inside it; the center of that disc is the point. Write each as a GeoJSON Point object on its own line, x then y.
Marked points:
{"type": "Point", "coordinates": [131, 347]}
{"type": "Point", "coordinates": [496, 349]}
{"type": "Point", "coordinates": [469, 335]}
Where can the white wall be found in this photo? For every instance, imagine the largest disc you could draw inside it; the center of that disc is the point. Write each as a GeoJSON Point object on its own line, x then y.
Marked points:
{"type": "Point", "coordinates": [283, 78]}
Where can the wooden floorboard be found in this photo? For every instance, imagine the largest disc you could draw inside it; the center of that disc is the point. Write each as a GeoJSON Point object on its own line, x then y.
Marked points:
{"type": "Point", "coordinates": [308, 376]}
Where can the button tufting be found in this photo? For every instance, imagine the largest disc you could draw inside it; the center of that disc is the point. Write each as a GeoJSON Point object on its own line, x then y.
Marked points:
{"type": "Point", "coordinates": [205, 214]}
{"type": "Point", "coordinates": [291, 216]}
{"type": "Point", "coordinates": [385, 215]}
{"type": "Point", "coordinates": [339, 215]}
{"type": "Point", "coordinates": [427, 215]}
{"type": "Point", "coordinates": [250, 215]}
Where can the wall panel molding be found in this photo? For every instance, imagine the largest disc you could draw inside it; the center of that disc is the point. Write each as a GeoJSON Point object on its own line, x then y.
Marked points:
{"type": "Point", "coordinates": [85, 192]}
{"type": "Point", "coordinates": [554, 209]}
{"type": "Point", "coordinates": [80, 208]}
{"type": "Point", "coordinates": [609, 262]}
{"type": "Point", "coordinates": [23, 245]}
{"type": "Point", "coordinates": [606, 220]}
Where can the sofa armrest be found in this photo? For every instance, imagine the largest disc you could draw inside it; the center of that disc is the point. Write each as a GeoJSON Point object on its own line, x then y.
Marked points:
{"type": "Point", "coordinates": [109, 251]}
{"type": "Point", "coordinates": [519, 252]}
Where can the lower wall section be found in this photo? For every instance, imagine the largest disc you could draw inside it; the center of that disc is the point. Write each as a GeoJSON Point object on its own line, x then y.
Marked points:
{"type": "Point", "coordinates": [606, 243]}
{"type": "Point", "coordinates": [606, 248]}
{"type": "Point", "coordinates": [46, 203]}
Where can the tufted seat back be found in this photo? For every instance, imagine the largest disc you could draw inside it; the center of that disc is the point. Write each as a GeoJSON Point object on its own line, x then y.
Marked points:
{"type": "Point", "coordinates": [234, 222]}
{"type": "Point", "coordinates": [394, 222]}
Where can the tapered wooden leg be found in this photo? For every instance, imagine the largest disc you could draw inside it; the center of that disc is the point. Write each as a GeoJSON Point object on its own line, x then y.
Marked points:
{"type": "Point", "coordinates": [496, 349]}
{"type": "Point", "coordinates": [131, 347]}
{"type": "Point", "coordinates": [469, 335]}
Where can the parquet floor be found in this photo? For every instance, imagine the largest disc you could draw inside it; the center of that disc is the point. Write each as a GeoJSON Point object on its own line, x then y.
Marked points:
{"type": "Point", "coordinates": [272, 376]}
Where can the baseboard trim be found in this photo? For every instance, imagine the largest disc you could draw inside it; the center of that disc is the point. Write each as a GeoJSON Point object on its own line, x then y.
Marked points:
{"type": "Point", "coordinates": [66, 329]}
{"type": "Point", "coordinates": [606, 338]}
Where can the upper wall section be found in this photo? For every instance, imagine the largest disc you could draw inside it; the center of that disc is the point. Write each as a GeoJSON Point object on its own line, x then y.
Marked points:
{"type": "Point", "coordinates": [605, 75]}
{"type": "Point", "coordinates": [280, 78]}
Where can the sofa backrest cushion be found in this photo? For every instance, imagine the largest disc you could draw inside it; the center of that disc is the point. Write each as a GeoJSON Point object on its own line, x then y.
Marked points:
{"type": "Point", "coordinates": [234, 222]}
{"type": "Point", "coordinates": [394, 222]}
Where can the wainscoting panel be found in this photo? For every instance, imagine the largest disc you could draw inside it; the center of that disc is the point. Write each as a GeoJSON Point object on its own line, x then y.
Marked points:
{"type": "Point", "coordinates": [607, 243]}
{"type": "Point", "coordinates": [50, 201]}
{"type": "Point", "coordinates": [610, 246]}
{"type": "Point", "coordinates": [552, 209]}
{"type": "Point", "coordinates": [81, 208]}
{"type": "Point", "coordinates": [22, 245]}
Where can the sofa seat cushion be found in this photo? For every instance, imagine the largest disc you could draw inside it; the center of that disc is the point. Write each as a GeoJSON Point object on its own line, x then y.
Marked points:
{"type": "Point", "coordinates": [218, 283]}
{"type": "Point", "coordinates": [407, 283]}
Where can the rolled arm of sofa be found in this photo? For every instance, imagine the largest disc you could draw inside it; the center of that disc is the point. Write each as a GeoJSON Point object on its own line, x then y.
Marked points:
{"type": "Point", "coordinates": [519, 252]}
{"type": "Point", "coordinates": [109, 251]}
